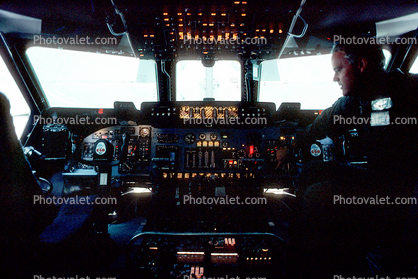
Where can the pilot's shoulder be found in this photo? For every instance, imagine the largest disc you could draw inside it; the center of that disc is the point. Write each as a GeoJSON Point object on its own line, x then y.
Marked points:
{"type": "Point", "coordinates": [344, 104]}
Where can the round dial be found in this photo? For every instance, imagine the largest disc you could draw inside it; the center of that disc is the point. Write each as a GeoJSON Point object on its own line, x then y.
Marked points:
{"type": "Point", "coordinates": [189, 138]}
{"type": "Point", "coordinates": [202, 136]}
{"type": "Point", "coordinates": [213, 136]}
{"type": "Point", "coordinates": [241, 153]}
{"type": "Point", "coordinates": [144, 132]}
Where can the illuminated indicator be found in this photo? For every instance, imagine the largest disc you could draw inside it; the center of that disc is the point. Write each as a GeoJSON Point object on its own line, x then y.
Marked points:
{"type": "Point", "coordinates": [224, 254]}
{"type": "Point", "coordinates": [100, 111]}
{"type": "Point", "coordinates": [251, 149]}
{"type": "Point", "coordinates": [190, 253]}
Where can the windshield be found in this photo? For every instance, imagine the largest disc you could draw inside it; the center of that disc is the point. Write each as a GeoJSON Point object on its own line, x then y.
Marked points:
{"type": "Point", "coordinates": [306, 80]}
{"type": "Point", "coordinates": [88, 80]}
{"type": "Point", "coordinates": [194, 82]}
{"type": "Point", "coordinates": [19, 109]}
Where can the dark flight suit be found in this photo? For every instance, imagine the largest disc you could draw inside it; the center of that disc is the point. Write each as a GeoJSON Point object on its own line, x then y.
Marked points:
{"type": "Point", "coordinates": [335, 236]}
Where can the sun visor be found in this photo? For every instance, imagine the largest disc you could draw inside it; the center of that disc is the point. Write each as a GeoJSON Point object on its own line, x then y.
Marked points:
{"type": "Point", "coordinates": [15, 23]}
{"type": "Point", "coordinates": [397, 26]}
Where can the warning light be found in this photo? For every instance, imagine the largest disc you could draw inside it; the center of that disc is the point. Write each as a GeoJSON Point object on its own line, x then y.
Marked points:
{"type": "Point", "coordinates": [251, 149]}
{"type": "Point", "coordinates": [100, 111]}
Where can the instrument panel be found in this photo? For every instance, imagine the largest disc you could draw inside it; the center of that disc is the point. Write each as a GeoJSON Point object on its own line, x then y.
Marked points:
{"type": "Point", "coordinates": [131, 146]}
{"type": "Point", "coordinates": [183, 150]}
{"type": "Point", "coordinates": [166, 146]}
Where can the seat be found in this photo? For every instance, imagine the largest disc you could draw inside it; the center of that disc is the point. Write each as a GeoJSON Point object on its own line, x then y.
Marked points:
{"type": "Point", "coordinates": [30, 229]}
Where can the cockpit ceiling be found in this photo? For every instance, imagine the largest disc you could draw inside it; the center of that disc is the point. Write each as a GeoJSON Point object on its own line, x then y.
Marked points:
{"type": "Point", "coordinates": [176, 27]}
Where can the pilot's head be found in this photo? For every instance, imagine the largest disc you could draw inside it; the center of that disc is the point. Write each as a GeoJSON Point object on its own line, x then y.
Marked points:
{"type": "Point", "coordinates": [354, 64]}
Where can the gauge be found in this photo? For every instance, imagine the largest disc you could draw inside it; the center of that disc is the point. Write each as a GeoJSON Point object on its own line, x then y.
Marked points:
{"type": "Point", "coordinates": [202, 136]}
{"type": "Point", "coordinates": [241, 153]}
{"type": "Point", "coordinates": [126, 167]}
{"type": "Point", "coordinates": [213, 136]}
{"type": "Point", "coordinates": [189, 138]}
{"type": "Point", "coordinates": [144, 132]}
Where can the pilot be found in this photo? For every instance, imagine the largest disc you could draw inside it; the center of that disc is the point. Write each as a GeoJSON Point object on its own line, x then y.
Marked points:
{"type": "Point", "coordinates": [337, 228]}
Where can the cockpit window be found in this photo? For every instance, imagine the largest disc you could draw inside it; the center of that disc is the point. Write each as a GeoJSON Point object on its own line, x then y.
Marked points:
{"type": "Point", "coordinates": [194, 82]}
{"type": "Point", "coordinates": [90, 80]}
{"type": "Point", "coordinates": [306, 80]}
{"type": "Point", "coordinates": [19, 109]}
{"type": "Point", "coordinates": [414, 67]}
